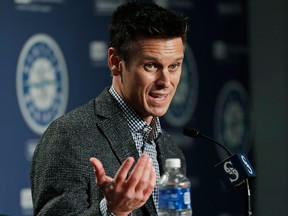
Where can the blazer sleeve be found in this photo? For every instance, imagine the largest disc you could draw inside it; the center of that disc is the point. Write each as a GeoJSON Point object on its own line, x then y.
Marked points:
{"type": "Point", "coordinates": [62, 178]}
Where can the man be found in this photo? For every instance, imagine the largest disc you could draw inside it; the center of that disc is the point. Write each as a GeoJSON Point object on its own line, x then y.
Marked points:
{"type": "Point", "coordinates": [119, 132]}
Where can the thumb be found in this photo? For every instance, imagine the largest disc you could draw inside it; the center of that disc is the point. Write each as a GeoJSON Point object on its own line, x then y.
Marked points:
{"type": "Point", "coordinates": [99, 171]}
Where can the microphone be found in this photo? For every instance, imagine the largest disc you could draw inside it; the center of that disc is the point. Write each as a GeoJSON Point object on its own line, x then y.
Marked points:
{"type": "Point", "coordinates": [191, 132]}
{"type": "Point", "coordinates": [234, 171]}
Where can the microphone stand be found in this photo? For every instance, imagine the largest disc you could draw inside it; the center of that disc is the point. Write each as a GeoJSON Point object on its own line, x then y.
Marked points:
{"type": "Point", "coordinates": [196, 133]}
{"type": "Point", "coordinates": [249, 209]}
{"type": "Point", "coordinates": [247, 185]}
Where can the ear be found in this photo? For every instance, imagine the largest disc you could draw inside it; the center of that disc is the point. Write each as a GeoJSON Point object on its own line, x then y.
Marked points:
{"type": "Point", "coordinates": [114, 62]}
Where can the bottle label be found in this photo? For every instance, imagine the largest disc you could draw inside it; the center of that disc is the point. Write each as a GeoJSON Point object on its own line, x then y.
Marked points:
{"type": "Point", "coordinates": [177, 198]}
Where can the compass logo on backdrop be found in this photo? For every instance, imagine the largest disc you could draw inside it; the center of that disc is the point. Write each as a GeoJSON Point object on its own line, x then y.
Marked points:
{"type": "Point", "coordinates": [41, 82]}
{"type": "Point", "coordinates": [184, 102]}
{"type": "Point", "coordinates": [232, 124]}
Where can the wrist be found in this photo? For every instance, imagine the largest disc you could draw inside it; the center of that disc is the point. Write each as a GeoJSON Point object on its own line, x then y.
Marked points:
{"type": "Point", "coordinates": [109, 211]}
{"type": "Point", "coordinates": [118, 213]}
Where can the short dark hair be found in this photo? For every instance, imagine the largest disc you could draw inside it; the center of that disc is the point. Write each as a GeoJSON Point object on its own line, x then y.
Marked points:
{"type": "Point", "coordinates": [141, 19]}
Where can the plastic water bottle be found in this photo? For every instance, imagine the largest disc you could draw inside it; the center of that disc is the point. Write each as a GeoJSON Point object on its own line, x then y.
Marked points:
{"type": "Point", "coordinates": [174, 191]}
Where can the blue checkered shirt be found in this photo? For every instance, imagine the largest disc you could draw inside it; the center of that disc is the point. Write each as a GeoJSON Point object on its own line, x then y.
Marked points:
{"type": "Point", "coordinates": [144, 136]}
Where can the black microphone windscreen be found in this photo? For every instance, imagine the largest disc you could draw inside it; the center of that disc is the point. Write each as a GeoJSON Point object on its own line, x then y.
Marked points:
{"type": "Point", "coordinates": [191, 132]}
{"type": "Point", "coordinates": [234, 170]}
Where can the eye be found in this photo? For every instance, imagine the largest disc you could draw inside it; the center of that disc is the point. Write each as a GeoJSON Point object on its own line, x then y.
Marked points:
{"type": "Point", "coordinates": [150, 67]}
{"type": "Point", "coordinates": [174, 67]}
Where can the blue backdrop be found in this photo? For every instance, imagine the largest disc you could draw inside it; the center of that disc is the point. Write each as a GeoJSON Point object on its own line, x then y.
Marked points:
{"type": "Point", "coordinates": [53, 59]}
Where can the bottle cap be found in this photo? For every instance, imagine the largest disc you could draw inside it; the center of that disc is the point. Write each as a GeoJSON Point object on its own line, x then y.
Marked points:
{"type": "Point", "coordinates": [173, 163]}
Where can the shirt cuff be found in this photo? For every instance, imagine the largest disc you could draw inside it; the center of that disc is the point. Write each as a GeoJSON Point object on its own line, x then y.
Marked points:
{"type": "Point", "coordinates": [103, 208]}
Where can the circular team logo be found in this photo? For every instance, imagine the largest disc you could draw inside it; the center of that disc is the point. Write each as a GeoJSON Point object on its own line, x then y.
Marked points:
{"type": "Point", "coordinates": [41, 82]}
{"type": "Point", "coordinates": [185, 99]}
{"type": "Point", "coordinates": [232, 122]}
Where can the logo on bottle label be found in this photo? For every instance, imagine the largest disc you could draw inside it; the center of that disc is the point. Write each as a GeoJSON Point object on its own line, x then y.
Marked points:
{"type": "Point", "coordinates": [174, 199]}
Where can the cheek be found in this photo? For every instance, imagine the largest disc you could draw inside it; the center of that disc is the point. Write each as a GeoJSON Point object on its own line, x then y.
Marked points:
{"type": "Point", "coordinates": [136, 87]}
{"type": "Point", "coordinates": [144, 82]}
{"type": "Point", "coordinates": [175, 80]}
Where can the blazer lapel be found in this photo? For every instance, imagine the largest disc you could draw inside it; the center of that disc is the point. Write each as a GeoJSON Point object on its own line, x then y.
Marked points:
{"type": "Point", "coordinates": [161, 149]}
{"type": "Point", "coordinates": [114, 127]}
{"type": "Point", "coordinates": [120, 140]}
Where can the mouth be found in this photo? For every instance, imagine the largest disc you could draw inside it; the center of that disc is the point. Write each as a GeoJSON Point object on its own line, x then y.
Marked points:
{"type": "Point", "coordinates": [158, 97]}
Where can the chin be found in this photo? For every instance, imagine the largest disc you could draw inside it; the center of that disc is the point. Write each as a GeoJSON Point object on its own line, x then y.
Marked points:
{"type": "Point", "coordinates": [159, 113]}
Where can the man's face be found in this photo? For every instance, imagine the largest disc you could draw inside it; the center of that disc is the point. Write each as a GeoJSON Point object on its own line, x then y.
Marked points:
{"type": "Point", "coordinates": [149, 82]}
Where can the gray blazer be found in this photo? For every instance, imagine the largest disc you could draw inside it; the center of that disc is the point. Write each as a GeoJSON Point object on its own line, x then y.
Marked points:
{"type": "Point", "coordinates": [62, 178]}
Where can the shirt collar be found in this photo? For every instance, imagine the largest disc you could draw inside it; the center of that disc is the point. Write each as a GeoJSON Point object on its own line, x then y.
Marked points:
{"type": "Point", "coordinates": [135, 122]}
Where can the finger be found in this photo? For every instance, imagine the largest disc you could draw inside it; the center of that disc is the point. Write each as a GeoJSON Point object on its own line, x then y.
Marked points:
{"type": "Point", "coordinates": [145, 178]}
{"type": "Point", "coordinates": [100, 173]}
{"type": "Point", "coordinates": [152, 183]}
{"type": "Point", "coordinates": [122, 172]}
{"type": "Point", "coordinates": [137, 172]}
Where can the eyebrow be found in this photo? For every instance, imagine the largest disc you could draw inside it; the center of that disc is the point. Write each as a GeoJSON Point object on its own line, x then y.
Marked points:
{"type": "Point", "coordinates": [145, 57]}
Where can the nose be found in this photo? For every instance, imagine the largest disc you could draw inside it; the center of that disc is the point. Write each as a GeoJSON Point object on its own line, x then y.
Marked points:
{"type": "Point", "coordinates": [163, 80]}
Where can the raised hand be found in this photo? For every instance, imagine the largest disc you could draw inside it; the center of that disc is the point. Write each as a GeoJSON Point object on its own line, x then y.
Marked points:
{"type": "Point", "coordinates": [125, 193]}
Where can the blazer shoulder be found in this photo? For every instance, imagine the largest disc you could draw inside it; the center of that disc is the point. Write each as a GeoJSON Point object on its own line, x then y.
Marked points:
{"type": "Point", "coordinates": [103, 107]}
